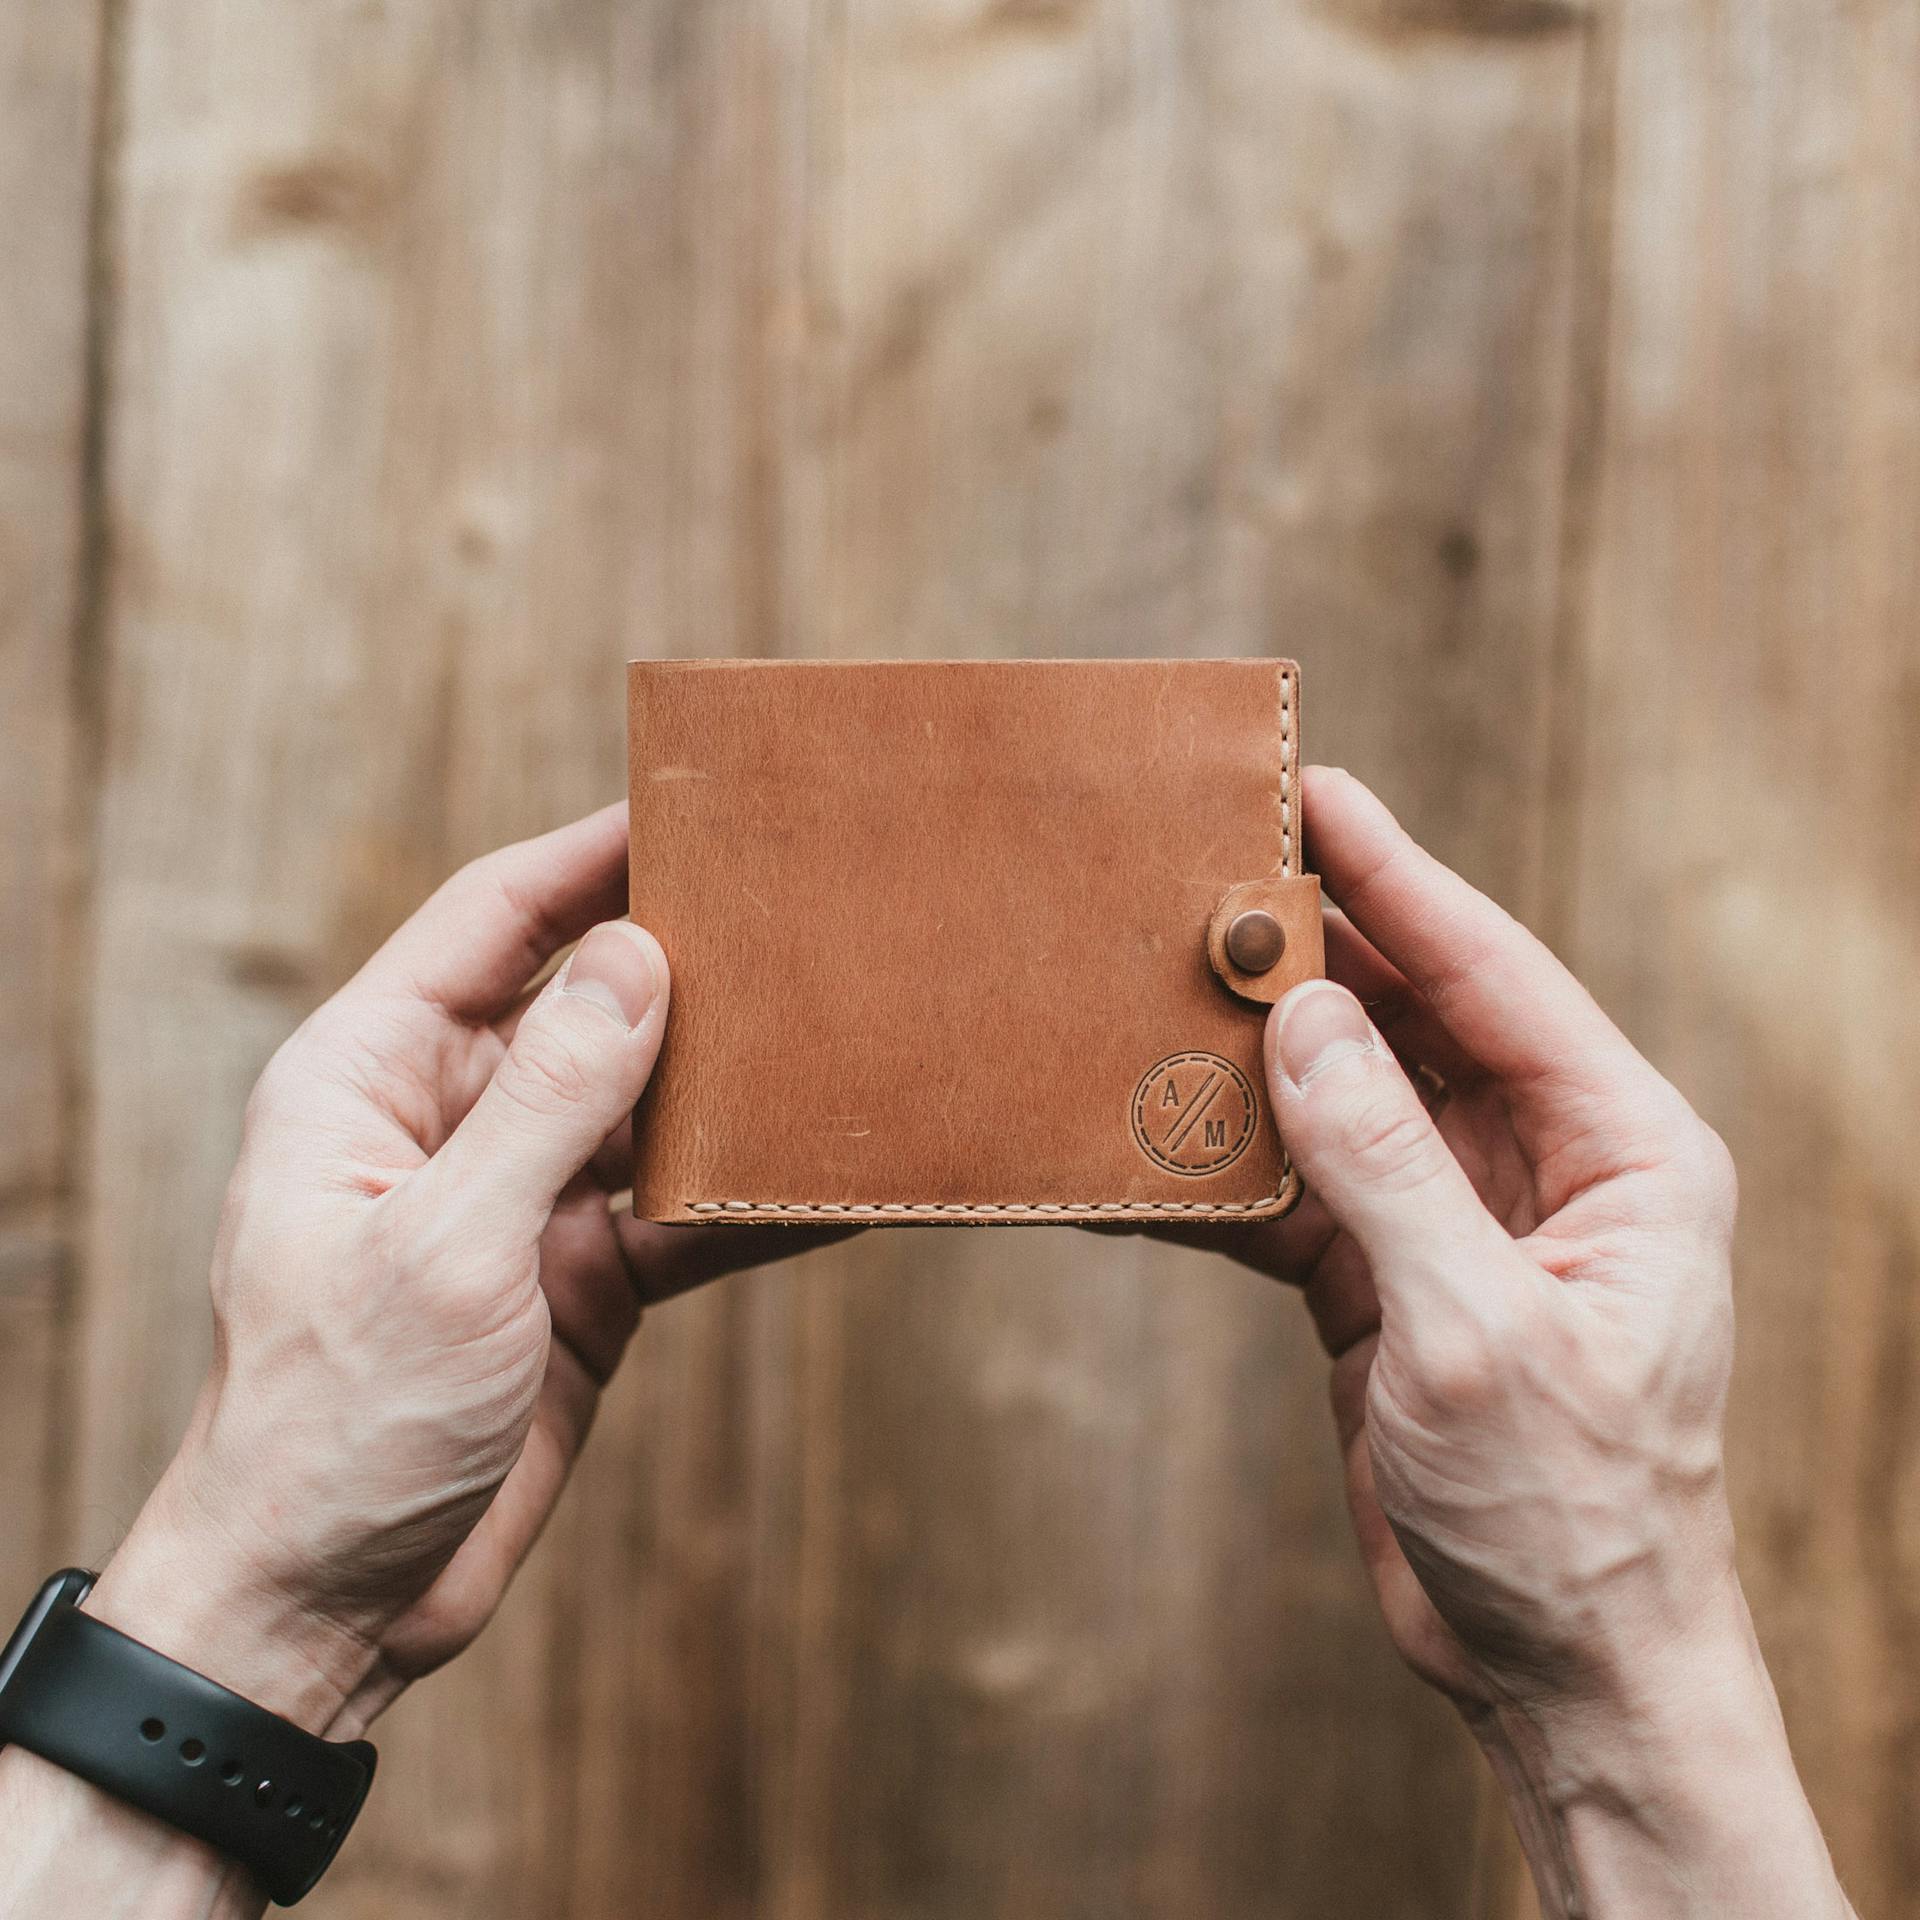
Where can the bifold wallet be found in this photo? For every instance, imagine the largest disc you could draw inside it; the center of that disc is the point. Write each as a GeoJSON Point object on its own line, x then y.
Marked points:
{"type": "Point", "coordinates": [984, 942]}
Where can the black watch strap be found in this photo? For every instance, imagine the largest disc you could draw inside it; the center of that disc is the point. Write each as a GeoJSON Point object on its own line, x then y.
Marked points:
{"type": "Point", "coordinates": [178, 1745]}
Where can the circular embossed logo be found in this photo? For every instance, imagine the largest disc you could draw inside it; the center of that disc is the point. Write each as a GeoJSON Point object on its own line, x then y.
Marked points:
{"type": "Point", "coordinates": [1194, 1113]}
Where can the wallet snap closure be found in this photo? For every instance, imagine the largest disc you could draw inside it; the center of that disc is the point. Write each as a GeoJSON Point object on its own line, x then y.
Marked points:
{"type": "Point", "coordinates": [1255, 940]}
{"type": "Point", "coordinates": [1265, 937]}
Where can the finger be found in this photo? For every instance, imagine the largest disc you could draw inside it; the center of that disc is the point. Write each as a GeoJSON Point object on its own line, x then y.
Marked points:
{"type": "Point", "coordinates": [1284, 1249]}
{"type": "Point", "coordinates": [1340, 1297]}
{"type": "Point", "coordinates": [612, 1164]}
{"type": "Point", "coordinates": [669, 1260]}
{"type": "Point", "coordinates": [1399, 1014]}
{"type": "Point", "coordinates": [1496, 989]}
{"type": "Point", "coordinates": [588, 1281]}
{"type": "Point", "coordinates": [491, 927]}
{"type": "Point", "coordinates": [1403, 1601]}
{"type": "Point", "coordinates": [1304, 1249]}
{"type": "Point", "coordinates": [507, 1023]}
{"type": "Point", "coordinates": [1347, 1389]}
{"type": "Point", "coordinates": [492, 1553]}
{"type": "Point", "coordinates": [1368, 1148]}
{"type": "Point", "coordinates": [578, 1062]}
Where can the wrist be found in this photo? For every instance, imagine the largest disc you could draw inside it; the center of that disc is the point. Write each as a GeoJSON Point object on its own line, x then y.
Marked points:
{"type": "Point", "coordinates": [181, 1584]}
{"type": "Point", "coordinates": [1672, 1790]}
{"type": "Point", "coordinates": [184, 1584]}
{"type": "Point", "coordinates": [70, 1848]}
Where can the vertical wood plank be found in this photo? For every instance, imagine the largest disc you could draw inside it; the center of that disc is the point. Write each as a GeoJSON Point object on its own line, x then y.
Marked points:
{"type": "Point", "coordinates": [450, 363]}
{"type": "Point", "coordinates": [49, 71]}
{"type": "Point", "coordinates": [1748, 899]}
{"type": "Point", "coordinates": [1243, 330]}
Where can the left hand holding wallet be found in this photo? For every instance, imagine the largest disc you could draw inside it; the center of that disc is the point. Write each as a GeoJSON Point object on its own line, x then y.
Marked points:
{"type": "Point", "coordinates": [419, 1288]}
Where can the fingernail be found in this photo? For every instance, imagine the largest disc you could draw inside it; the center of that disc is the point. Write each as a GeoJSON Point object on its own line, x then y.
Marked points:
{"type": "Point", "coordinates": [1318, 1027]}
{"type": "Point", "coordinates": [613, 968]}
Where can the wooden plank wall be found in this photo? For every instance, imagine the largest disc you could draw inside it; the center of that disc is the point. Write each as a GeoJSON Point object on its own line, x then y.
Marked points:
{"type": "Point", "coordinates": [1546, 376]}
{"type": "Point", "coordinates": [49, 69]}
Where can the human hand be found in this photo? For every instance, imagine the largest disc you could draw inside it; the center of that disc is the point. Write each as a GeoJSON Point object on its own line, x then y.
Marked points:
{"type": "Point", "coordinates": [419, 1289]}
{"type": "Point", "coordinates": [1515, 1248]}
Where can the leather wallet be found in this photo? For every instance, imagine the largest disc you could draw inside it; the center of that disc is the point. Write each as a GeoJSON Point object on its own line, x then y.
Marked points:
{"type": "Point", "coordinates": [982, 942]}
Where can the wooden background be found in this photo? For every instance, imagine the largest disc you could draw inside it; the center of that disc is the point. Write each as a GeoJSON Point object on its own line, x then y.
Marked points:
{"type": "Point", "coordinates": [376, 374]}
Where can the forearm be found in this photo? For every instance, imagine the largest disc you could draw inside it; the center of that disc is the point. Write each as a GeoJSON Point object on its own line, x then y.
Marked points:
{"type": "Point", "coordinates": [1676, 1800]}
{"type": "Point", "coordinates": [68, 1848]}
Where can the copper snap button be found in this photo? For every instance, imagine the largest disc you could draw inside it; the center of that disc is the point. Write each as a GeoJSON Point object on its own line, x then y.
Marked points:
{"type": "Point", "coordinates": [1255, 941]}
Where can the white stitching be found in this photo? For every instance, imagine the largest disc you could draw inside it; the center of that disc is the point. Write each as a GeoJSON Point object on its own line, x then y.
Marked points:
{"type": "Point", "coordinates": [893, 1210]}
{"type": "Point", "coordinates": [1286, 771]}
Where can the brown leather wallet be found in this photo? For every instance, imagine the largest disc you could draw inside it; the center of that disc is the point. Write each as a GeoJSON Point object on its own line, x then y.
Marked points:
{"type": "Point", "coordinates": [982, 942]}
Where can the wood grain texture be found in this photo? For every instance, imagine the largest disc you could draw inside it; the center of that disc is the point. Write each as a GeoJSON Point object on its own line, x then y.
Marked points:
{"type": "Point", "coordinates": [427, 311]}
{"type": "Point", "coordinates": [1221, 339]}
{"type": "Point", "coordinates": [49, 72]}
{"type": "Point", "coordinates": [1543, 376]}
{"type": "Point", "coordinates": [1749, 896]}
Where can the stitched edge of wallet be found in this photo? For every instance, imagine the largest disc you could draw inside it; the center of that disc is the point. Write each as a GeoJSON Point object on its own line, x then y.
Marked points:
{"type": "Point", "coordinates": [1286, 770]}
{"type": "Point", "coordinates": [1267, 1204]}
{"type": "Point", "coordinates": [987, 1209]}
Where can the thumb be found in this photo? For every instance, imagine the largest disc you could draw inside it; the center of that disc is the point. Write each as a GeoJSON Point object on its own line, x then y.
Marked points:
{"type": "Point", "coordinates": [1354, 1126]}
{"type": "Point", "coordinates": [578, 1061]}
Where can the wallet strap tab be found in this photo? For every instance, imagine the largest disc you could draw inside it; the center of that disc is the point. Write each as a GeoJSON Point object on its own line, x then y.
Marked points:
{"type": "Point", "coordinates": [1278, 916]}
